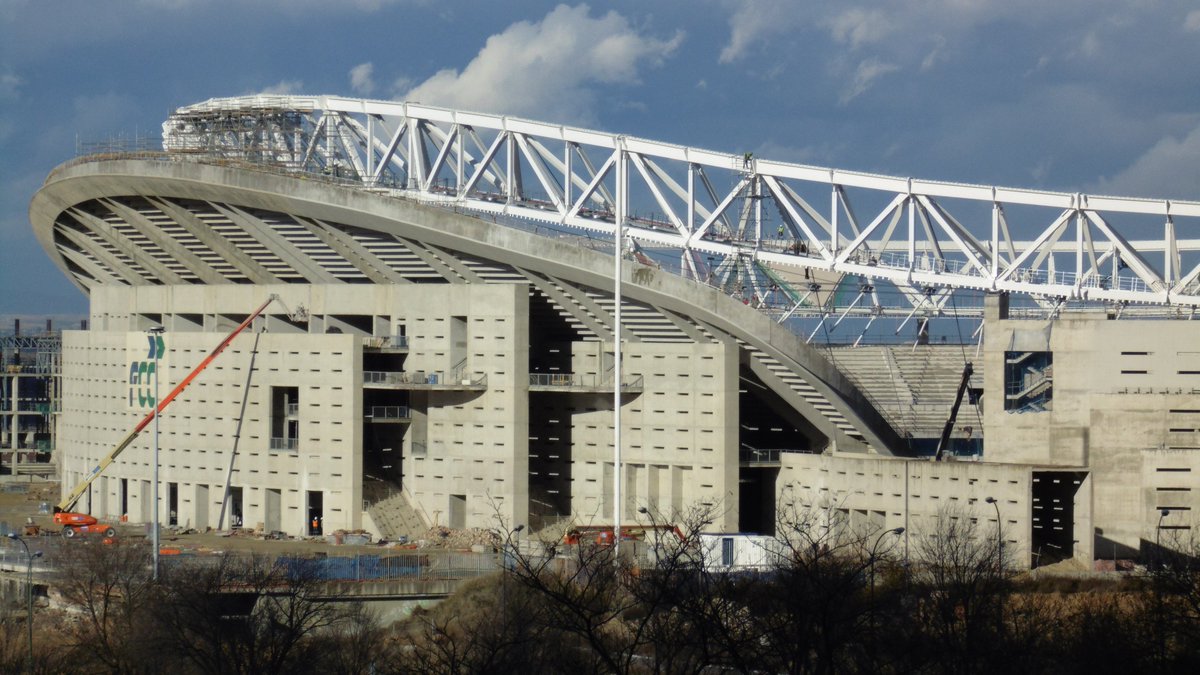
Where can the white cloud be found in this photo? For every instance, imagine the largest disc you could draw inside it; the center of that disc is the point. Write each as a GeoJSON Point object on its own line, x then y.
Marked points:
{"type": "Point", "coordinates": [360, 78]}
{"type": "Point", "coordinates": [9, 86]}
{"type": "Point", "coordinates": [859, 27]}
{"type": "Point", "coordinates": [547, 69]}
{"type": "Point", "coordinates": [756, 20]}
{"type": "Point", "coordinates": [282, 88]}
{"type": "Point", "coordinates": [864, 76]}
{"type": "Point", "coordinates": [1191, 23]}
{"type": "Point", "coordinates": [1169, 169]}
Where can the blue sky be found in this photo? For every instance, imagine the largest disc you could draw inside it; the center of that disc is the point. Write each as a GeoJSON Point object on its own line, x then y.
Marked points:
{"type": "Point", "coordinates": [1096, 96]}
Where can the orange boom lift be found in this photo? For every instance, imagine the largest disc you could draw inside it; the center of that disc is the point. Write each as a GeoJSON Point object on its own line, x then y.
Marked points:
{"type": "Point", "coordinates": [82, 523]}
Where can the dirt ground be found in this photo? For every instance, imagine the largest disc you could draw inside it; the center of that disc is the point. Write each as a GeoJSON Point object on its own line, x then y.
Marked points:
{"type": "Point", "coordinates": [23, 497]}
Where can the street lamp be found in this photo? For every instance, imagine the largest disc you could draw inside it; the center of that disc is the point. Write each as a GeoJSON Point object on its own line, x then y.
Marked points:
{"type": "Point", "coordinates": [504, 575]}
{"type": "Point", "coordinates": [156, 332]}
{"type": "Point", "coordinates": [1158, 581]}
{"type": "Point", "coordinates": [999, 542]}
{"type": "Point", "coordinates": [28, 589]}
{"type": "Point", "coordinates": [875, 554]}
{"type": "Point", "coordinates": [1162, 513]}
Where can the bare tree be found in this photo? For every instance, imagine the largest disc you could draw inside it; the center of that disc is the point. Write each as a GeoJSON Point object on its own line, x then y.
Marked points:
{"type": "Point", "coordinates": [965, 588]}
{"type": "Point", "coordinates": [112, 588]}
{"type": "Point", "coordinates": [238, 614]}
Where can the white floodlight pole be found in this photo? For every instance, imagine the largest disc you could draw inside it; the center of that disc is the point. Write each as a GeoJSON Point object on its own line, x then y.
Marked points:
{"type": "Point", "coordinates": [155, 334]}
{"type": "Point", "coordinates": [618, 242]}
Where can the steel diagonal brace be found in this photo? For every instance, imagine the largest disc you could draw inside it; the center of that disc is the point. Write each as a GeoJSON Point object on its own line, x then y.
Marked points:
{"type": "Point", "coordinates": [558, 165]}
{"type": "Point", "coordinates": [597, 178]}
{"type": "Point", "coordinates": [896, 203]}
{"type": "Point", "coordinates": [447, 146]}
{"type": "Point", "coordinates": [484, 162]}
{"type": "Point", "coordinates": [1036, 245]}
{"type": "Point", "coordinates": [784, 199]}
{"type": "Point", "coordinates": [861, 292]}
{"type": "Point", "coordinates": [543, 175]}
{"type": "Point", "coordinates": [796, 306]}
{"type": "Point", "coordinates": [640, 165]}
{"type": "Point", "coordinates": [350, 135]}
{"type": "Point", "coordinates": [956, 234]}
{"type": "Point", "coordinates": [718, 212]}
{"type": "Point", "coordinates": [676, 188]}
{"type": "Point", "coordinates": [389, 151]}
{"type": "Point", "coordinates": [1130, 256]}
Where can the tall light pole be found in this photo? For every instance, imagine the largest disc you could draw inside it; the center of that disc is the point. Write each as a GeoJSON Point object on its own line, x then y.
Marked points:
{"type": "Point", "coordinates": [155, 336]}
{"type": "Point", "coordinates": [999, 542]}
{"type": "Point", "coordinates": [618, 245]}
{"type": "Point", "coordinates": [875, 554]}
{"type": "Point", "coordinates": [28, 589]}
{"type": "Point", "coordinates": [1158, 582]}
{"type": "Point", "coordinates": [1162, 513]}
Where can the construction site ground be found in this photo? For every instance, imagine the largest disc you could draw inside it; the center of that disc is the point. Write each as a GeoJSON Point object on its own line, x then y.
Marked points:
{"type": "Point", "coordinates": [24, 497]}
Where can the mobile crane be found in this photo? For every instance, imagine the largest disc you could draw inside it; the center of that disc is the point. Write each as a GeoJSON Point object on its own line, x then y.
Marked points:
{"type": "Point", "coordinates": [74, 523]}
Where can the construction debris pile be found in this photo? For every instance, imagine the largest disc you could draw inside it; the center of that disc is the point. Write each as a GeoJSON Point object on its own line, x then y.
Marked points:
{"type": "Point", "coordinates": [466, 539]}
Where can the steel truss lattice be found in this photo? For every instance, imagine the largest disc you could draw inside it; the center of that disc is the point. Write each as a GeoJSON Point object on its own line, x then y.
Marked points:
{"type": "Point", "coordinates": [746, 224]}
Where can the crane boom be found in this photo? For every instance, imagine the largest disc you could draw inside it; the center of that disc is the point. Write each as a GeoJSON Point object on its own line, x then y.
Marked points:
{"type": "Point", "coordinates": [73, 496]}
{"type": "Point", "coordinates": [944, 441]}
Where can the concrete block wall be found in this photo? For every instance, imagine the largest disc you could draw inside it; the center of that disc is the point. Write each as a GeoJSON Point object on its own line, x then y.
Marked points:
{"type": "Point", "coordinates": [1126, 404]}
{"type": "Point", "coordinates": [197, 431]}
{"type": "Point", "coordinates": [477, 442]}
{"type": "Point", "coordinates": [679, 436]}
{"type": "Point", "coordinates": [878, 494]}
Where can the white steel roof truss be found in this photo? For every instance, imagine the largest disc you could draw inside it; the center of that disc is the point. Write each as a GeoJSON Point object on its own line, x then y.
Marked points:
{"type": "Point", "coordinates": [718, 209]}
{"type": "Point", "coordinates": [388, 152]}
{"type": "Point", "coordinates": [314, 142]}
{"type": "Point", "coordinates": [494, 175]}
{"type": "Point", "coordinates": [968, 248]}
{"type": "Point", "coordinates": [449, 142]}
{"type": "Point", "coordinates": [718, 213]}
{"type": "Point", "coordinates": [488, 156]}
{"type": "Point", "coordinates": [694, 208]}
{"type": "Point", "coordinates": [1128, 254]}
{"type": "Point", "coordinates": [640, 165]}
{"type": "Point", "coordinates": [1048, 234]}
{"type": "Point", "coordinates": [859, 241]}
{"type": "Point", "coordinates": [549, 183]}
{"type": "Point", "coordinates": [592, 186]}
{"type": "Point", "coordinates": [985, 255]}
{"type": "Point", "coordinates": [349, 140]}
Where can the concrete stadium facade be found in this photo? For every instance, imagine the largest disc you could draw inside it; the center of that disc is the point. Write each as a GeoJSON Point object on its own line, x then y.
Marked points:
{"type": "Point", "coordinates": [428, 366]}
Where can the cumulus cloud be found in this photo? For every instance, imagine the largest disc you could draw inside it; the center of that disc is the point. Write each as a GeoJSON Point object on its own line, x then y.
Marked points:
{"type": "Point", "coordinates": [1169, 169]}
{"type": "Point", "coordinates": [1191, 23]}
{"type": "Point", "coordinates": [755, 20]}
{"type": "Point", "coordinates": [547, 69]}
{"type": "Point", "coordinates": [857, 27]}
{"type": "Point", "coordinates": [864, 76]}
{"type": "Point", "coordinates": [360, 78]}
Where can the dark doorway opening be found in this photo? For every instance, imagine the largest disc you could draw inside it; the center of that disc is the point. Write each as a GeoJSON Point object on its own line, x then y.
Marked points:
{"type": "Point", "coordinates": [1053, 537]}
{"type": "Point", "coordinates": [316, 513]}
{"type": "Point", "coordinates": [172, 504]}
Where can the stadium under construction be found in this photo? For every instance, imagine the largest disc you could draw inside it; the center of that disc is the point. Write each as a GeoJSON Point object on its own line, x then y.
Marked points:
{"type": "Point", "coordinates": [482, 319]}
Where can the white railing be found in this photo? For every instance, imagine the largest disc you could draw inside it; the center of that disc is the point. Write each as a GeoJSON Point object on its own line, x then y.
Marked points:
{"type": "Point", "coordinates": [388, 412]}
{"type": "Point", "coordinates": [581, 380]}
{"type": "Point", "coordinates": [285, 443]}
